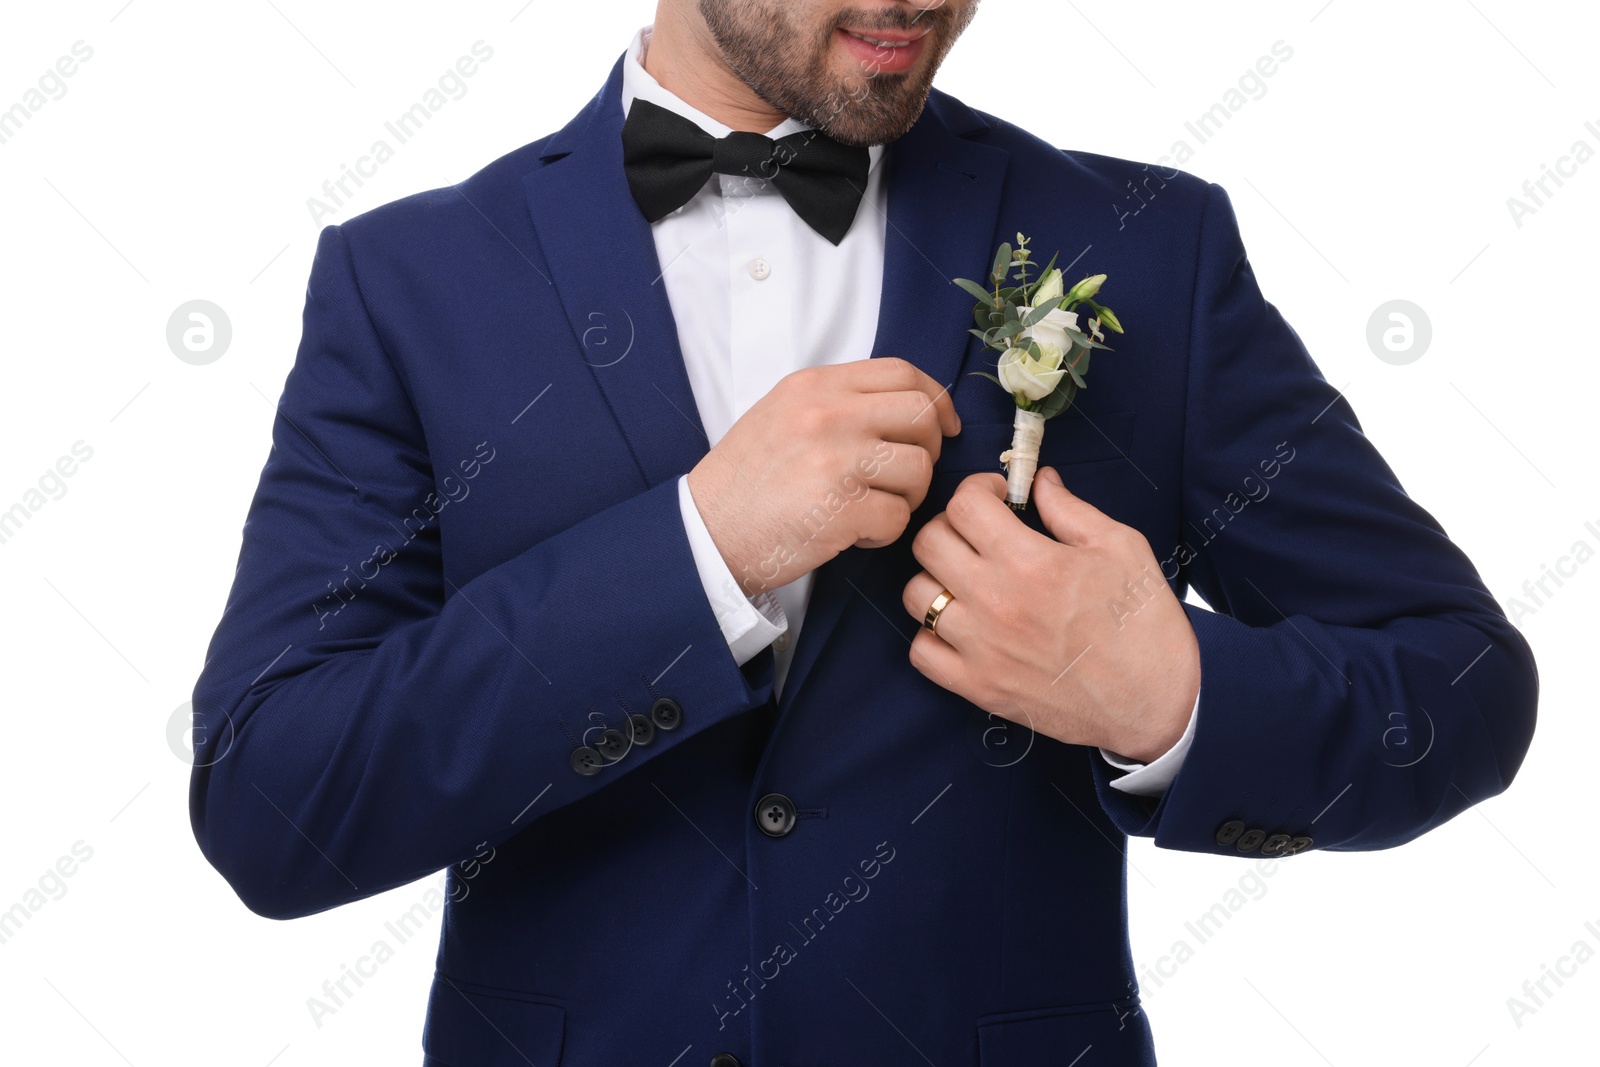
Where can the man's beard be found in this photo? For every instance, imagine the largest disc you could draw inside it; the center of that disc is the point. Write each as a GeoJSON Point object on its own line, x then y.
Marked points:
{"type": "Point", "coordinates": [788, 65]}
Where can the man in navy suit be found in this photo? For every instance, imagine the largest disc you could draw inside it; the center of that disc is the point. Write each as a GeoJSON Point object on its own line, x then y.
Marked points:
{"type": "Point", "coordinates": [609, 494]}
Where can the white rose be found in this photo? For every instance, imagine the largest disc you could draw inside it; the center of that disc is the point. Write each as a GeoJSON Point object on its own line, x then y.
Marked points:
{"type": "Point", "coordinates": [1033, 378]}
{"type": "Point", "coordinates": [1053, 329]}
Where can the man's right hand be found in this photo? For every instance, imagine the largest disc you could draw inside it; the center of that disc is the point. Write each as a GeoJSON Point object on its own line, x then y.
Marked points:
{"type": "Point", "coordinates": [832, 456]}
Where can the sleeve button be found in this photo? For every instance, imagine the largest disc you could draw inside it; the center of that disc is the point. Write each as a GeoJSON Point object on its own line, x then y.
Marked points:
{"type": "Point", "coordinates": [586, 761]}
{"type": "Point", "coordinates": [1275, 844]}
{"type": "Point", "coordinates": [613, 744]}
{"type": "Point", "coordinates": [666, 713]}
{"type": "Point", "coordinates": [643, 730]}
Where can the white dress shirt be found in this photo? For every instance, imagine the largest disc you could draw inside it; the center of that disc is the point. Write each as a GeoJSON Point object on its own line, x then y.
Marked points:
{"type": "Point", "coordinates": [757, 294]}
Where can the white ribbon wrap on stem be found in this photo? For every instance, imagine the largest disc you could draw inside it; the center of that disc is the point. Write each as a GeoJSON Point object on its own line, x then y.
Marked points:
{"type": "Point", "coordinates": [1021, 460]}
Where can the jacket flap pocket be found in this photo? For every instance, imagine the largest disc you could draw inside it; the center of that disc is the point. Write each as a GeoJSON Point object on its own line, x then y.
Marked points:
{"type": "Point", "coordinates": [1106, 1034]}
{"type": "Point", "coordinates": [480, 1026]}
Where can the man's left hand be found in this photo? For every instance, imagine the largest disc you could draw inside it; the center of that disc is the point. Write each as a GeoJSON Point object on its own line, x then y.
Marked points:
{"type": "Point", "coordinates": [1076, 635]}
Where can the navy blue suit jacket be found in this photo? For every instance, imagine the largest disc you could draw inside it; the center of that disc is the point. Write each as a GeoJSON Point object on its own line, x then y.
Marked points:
{"type": "Point", "coordinates": [465, 560]}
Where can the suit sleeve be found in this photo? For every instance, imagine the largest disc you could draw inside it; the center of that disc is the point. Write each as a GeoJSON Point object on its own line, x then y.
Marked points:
{"type": "Point", "coordinates": [1362, 686]}
{"type": "Point", "coordinates": [360, 720]}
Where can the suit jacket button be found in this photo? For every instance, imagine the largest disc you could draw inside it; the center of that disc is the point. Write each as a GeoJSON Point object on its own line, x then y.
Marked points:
{"type": "Point", "coordinates": [725, 1059]}
{"type": "Point", "coordinates": [613, 744]}
{"type": "Point", "coordinates": [666, 713]}
{"type": "Point", "coordinates": [587, 762]}
{"type": "Point", "coordinates": [1275, 844]}
{"type": "Point", "coordinates": [775, 814]}
{"type": "Point", "coordinates": [1229, 832]}
{"type": "Point", "coordinates": [1299, 844]}
{"type": "Point", "coordinates": [1250, 840]}
{"type": "Point", "coordinates": [643, 730]}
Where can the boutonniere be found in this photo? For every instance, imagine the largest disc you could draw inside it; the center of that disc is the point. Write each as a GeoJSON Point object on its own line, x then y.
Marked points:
{"type": "Point", "coordinates": [1044, 344]}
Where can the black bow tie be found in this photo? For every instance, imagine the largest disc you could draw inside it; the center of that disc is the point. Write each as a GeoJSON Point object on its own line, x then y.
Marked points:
{"type": "Point", "coordinates": [668, 159]}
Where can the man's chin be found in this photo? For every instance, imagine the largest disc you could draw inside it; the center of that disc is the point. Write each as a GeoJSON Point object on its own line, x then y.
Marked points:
{"type": "Point", "coordinates": [883, 120]}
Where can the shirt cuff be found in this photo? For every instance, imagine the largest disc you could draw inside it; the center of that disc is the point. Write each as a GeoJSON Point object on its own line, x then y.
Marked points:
{"type": "Point", "coordinates": [1151, 779]}
{"type": "Point", "coordinates": [748, 624]}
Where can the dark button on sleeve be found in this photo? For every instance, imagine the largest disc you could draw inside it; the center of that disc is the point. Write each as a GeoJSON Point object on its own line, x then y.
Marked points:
{"type": "Point", "coordinates": [1229, 832]}
{"type": "Point", "coordinates": [613, 744]}
{"type": "Point", "coordinates": [666, 713]}
{"type": "Point", "coordinates": [1299, 844]}
{"type": "Point", "coordinates": [587, 762]}
{"type": "Point", "coordinates": [1250, 840]}
{"type": "Point", "coordinates": [1274, 844]}
{"type": "Point", "coordinates": [643, 730]}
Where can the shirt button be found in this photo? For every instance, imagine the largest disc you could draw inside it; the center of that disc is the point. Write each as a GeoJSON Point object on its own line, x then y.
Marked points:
{"type": "Point", "coordinates": [782, 641]}
{"type": "Point", "coordinates": [760, 269]}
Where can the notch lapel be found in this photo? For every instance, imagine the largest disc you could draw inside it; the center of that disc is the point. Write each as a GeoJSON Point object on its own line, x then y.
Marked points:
{"type": "Point", "coordinates": [603, 263]}
{"type": "Point", "coordinates": [944, 205]}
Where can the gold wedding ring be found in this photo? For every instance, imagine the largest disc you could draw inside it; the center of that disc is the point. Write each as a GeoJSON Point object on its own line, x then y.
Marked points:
{"type": "Point", "coordinates": [940, 602]}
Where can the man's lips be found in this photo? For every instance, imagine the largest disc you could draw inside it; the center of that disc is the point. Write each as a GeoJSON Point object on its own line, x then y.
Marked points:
{"type": "Point", "coordinates": [884, 51]}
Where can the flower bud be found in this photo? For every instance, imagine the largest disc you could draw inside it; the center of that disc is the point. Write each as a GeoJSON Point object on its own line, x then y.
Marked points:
{"type": "Point", "coordinates": [1085, 289]}
{"type": "Point", "coordinates": [1049, 288]}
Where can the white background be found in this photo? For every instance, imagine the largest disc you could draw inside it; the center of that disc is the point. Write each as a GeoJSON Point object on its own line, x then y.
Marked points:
{"type": "Point", "coordinates": [177, 166]}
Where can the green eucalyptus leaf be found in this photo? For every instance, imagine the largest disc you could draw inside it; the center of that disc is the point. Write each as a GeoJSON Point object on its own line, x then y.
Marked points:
{"type": "Point", "coordinates": [1038, 314]}
{"type": "Point", "coordinates": [1002, 263]}
{"type": "Point", "coordinates": [985, 297]}
{"type": "Point", "coordinates": [1059, 399]}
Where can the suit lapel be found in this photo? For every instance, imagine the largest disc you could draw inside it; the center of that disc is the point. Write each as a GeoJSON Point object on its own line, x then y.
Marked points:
{"type": "Point", "coordinates": [944, 203]}
{"type": "Point", "coordinates": [602, 260]}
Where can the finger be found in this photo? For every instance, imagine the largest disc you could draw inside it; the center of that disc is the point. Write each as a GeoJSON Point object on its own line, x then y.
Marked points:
{"type": "Point", "coordinates": [939, 661]}
{"type": "Point", "coordinates": [883, 518]}
{"type": "Point", "coordinates": [943, 551]}
{"type": "Point", "coordinates": [1069, 518]}
{"type": "Point", "coordinates": [919, 595]}
{"type": "Point", "coordinates": [905, 417]}
{"type": "Point", "coordinates": [978, 512]}
{"type": "Point", "coordinates": [907, 472]}
{"type": "Point", "coordinates": [891, 373]}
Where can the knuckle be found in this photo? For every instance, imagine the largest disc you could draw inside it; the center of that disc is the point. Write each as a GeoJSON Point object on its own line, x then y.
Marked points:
{"type": "Point", "coordinates": [919, 542]}
{"type": "Point", "coordinates": [898, 517]}
{"type": "Point", "coordinates": [921, 464]}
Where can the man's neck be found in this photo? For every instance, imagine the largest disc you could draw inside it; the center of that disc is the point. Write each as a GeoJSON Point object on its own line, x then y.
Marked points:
{"type": "Point", "coordinates": [682, 56]}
